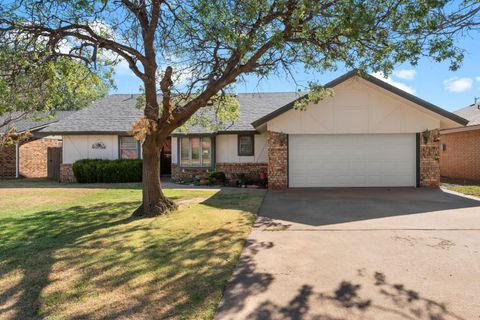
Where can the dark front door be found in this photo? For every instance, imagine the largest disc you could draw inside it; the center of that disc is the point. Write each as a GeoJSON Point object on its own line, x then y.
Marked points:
{"type": "Point", "coordinates": [54, 159]}
{"type": "Point", "coordinates": [166, 158]}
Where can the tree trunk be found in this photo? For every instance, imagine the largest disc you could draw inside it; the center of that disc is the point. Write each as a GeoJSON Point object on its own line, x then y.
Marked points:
{"type": "Point", "coordinates": [154, 202]}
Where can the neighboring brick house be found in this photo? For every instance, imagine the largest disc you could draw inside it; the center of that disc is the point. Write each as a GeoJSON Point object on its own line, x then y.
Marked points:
{"type": "Point", "coordinates": [369, 134]}
{"type": "Point", "coordinates": [29, 159]}
{"type": "Point", "coordinates": [460, 148]}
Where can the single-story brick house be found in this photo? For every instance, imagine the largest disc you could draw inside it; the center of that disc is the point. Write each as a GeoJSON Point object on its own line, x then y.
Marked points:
{"type": "Point", "coordinates": [30, 158]}
{"type": "Point", "coordinates": [460, 147]}
{"type": "Point", "coordinates": [368, 134]}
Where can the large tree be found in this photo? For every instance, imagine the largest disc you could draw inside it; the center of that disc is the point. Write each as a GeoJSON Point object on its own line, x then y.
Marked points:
{"type": "Point", "coordinates": [35, 84]}
{"type": "Point", "coordinates": [192, 51]}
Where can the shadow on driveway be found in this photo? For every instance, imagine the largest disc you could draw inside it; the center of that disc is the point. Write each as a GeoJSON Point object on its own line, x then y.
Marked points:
{"type": "Point", "coordinates": [345, 253]}
{"type": "Point", "coordinates": [328, 206]}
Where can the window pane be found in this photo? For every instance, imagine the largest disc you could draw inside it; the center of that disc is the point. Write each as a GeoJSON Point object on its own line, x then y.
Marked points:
{"type": "Point", "coordinates": [185, 151]}
{"type": "Point", "coordinates": [128, 148]}
{"type": "Point", "coordinates": [245, 145]}
{"type": "Point", "coordinates": [195, 145]}
{"type": "Point", "coordinates": [206, 151]}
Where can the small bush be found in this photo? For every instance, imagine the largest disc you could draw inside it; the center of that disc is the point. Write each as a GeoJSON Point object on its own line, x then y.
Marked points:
{"type": "Point", "coordinates": [108, 171]}
{"type": "Point", "coordinates": [242, 179]}
{"type": "Point", "coordinates": [217, 177]}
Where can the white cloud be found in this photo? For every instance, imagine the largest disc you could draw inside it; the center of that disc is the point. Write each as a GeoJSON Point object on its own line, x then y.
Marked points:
{"type": "Point", "coordinates": [456, 84]}
{"type": "Point", "coordinates": [406, 74]}
{"type": "Point", "coordinates": [399, 85]}
{"type": "Point", "coordinates": [477, 78]}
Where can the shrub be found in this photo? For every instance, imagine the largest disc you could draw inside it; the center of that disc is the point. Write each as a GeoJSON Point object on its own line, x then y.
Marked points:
{"type": "Point", "coordinates": [107, 171]}
{"type": "Point", "coordinates": [242, 179]}
{"type": "Point", "coordinates": [217, 177]}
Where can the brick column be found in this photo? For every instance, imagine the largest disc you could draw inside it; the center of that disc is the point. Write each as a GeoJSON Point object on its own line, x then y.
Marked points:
{"type": "Point", "coordinates": [430, 159]}
{"type": "Point", "coordinates": [277, 160]}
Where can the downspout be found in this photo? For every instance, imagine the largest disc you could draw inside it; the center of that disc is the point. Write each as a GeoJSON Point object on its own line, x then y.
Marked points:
{"type": "Point", "coordinates": [17, 162]}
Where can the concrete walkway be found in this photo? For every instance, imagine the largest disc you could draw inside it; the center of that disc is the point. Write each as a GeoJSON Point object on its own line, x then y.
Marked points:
{"type": "Point", "coordinates": [331, 254]}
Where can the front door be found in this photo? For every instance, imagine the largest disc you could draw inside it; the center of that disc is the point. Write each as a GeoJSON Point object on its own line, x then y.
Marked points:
{"type": "Point", "coordinates": [166, 158]}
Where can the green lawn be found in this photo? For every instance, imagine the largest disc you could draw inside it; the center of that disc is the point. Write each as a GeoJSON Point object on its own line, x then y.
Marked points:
{"type": "Point", "coordinates": [472, 190]}
{"type": "Point", "coordinates": [75, 253]}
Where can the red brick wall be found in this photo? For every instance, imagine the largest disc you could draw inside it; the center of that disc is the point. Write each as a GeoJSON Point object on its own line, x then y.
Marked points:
{"type": "Point", "coordinates": [461, 158]}
{"type": "Point", "coordinates": [251, 169]}
{"type": "Point", "coordinates": [33, 157]}
{"type": "Point", "coordinates": [231, 170]}
{"type": "Point", "coordinates": [430, 159]}
{"type": "Point", "coordinates": [7, 162]}
{"type": "Point", "coordinates": [277, 160]}
{"type": "Point", "coordinates": [188, 173]}
{"type": "Point", "coordinates": [66, 173]}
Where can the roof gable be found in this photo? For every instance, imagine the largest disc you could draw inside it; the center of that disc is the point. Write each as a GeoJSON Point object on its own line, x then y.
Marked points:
{"type": "Point", "coordinates": [425, 104]}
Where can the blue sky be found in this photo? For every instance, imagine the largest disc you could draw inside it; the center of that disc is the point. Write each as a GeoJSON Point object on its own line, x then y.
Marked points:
{"type": "Point", "coordinates": [429, 80]}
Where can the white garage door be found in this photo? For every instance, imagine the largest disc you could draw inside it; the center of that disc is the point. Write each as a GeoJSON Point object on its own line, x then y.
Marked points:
{"type": "Point", "coordinates": [344, 160]}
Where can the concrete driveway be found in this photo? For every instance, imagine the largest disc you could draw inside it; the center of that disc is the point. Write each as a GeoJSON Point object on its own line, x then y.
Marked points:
{"type": "Point", "coordinates": [376, 253]}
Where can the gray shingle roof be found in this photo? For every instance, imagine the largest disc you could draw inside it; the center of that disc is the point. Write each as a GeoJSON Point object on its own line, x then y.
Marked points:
{"type": "Point", "coordinates": [253, 106]}
{"type": "Point", "coordinates": [29, 123]}
{"type": "Point", "coordinates": [116, 114]}
{"type": "Point", "coordinates": [471, 113]}
{"type": "Point", "coordinates": [113, 114]}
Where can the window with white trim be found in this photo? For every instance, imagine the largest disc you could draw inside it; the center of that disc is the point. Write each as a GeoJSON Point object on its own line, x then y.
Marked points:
{"type": "Point", "coordinates": [195, 152]}
{"type": "Point", "coordinates": [129, 148]}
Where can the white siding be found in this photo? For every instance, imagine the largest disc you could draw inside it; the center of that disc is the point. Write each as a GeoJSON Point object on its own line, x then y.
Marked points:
{"type": "Point", "coordinates": [80, 147]}
{"type": "Point", "coordinates": [359, 107]}
{"type": "Point", "coordinates": [226, 149]}
{"type": "Point", "coordinates": [174, 150]}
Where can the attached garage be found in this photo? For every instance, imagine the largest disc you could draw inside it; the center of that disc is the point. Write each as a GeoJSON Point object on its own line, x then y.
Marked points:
{"type": "Point", "coordinates": [368, 134]}
{"type": "Point", "coordinates": [378, 160]}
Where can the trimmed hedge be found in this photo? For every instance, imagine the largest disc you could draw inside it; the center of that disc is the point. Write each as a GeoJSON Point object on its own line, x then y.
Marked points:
{"type": "Point", "coordinates": [107, 171]}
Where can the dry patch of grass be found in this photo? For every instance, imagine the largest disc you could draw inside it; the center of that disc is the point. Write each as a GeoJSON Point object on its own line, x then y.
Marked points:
{"type": "Point", "coordinates": [86, 258]}
{"type": "Point", "coordinates": [14, 201]}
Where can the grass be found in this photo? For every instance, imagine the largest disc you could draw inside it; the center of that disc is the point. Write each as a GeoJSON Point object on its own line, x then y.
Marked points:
{"type": "Point", "coordinates": [75, 253]}
{"type": "Point", "coordinates": [472, 190]}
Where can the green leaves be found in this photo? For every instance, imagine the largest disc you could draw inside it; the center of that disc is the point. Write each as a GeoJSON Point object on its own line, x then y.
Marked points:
{"type": "Point", "coordinates": [31, 83]}
{"type": "Point", "coordinates": [316, 94]}
{"type": "Point", "coordinates": [221, 111]}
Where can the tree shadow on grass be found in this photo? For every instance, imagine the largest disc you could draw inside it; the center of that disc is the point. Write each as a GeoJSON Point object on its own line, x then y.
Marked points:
{"type": "Point", "coordinates": [95, 262]}
{"type": "Point", "coordinates": [28, 243]}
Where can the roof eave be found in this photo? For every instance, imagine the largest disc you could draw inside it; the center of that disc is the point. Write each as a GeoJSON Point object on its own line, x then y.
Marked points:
{"type": "Point", "coordinates": [78, 133]}
{"type": "Point", "coordinates": [460, 129]}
